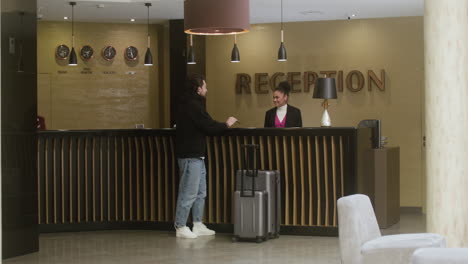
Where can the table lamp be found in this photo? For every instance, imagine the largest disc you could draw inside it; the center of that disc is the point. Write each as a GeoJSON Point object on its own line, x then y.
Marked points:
{"type": "Point", "coordinates": [325, 88]}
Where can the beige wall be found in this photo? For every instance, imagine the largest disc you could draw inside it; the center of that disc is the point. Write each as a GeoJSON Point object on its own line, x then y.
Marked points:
{"type": "Point", "coordinates": [73, 100]}
{"type": "Point", "coordinates": [394, 45]}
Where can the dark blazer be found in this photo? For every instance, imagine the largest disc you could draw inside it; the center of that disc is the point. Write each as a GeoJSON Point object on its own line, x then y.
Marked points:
{"type": "Point", "coordinates": [293, 117]}
{"type": "Point", "coordinates": [193, 125]}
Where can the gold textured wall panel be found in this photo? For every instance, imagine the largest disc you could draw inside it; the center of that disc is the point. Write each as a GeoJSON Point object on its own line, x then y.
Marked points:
{"type": "Point", "coordinates": [116, 94]}
{"type": "Point", "coordinates": [391, 44]}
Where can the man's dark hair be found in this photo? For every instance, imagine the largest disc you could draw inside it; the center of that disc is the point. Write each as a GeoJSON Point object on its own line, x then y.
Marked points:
{"type": "Point", "coordinates": [192, 83]}
{"type": "Point", "coordinates": [284, 87]}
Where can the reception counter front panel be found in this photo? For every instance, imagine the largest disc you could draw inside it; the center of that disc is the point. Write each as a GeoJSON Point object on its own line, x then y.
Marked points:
{"type": "Point", "coordinates": [128, 178]}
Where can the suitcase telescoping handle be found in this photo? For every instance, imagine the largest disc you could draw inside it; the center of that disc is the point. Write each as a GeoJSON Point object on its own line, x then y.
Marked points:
{"type": "Point", "coordinates": [249, 154]}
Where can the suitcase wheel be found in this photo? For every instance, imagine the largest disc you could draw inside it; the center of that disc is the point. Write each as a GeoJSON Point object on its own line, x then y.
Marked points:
{"type": "Point", "coordinates": [260, 239]}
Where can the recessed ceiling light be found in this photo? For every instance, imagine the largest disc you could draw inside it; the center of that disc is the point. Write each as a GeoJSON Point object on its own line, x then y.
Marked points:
{"type": "Point", "coordinates": [311, 12]}
{"type": "Point", "coordinates": [132, 19]}
{"type": "Point", "coordinates": [66, 18]}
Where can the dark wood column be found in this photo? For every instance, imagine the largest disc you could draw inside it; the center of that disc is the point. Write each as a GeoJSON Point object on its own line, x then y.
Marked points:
{"type": "Point", "coordinates": [19, 113]}
{"type": "Point", "coordinates": [178, 60]}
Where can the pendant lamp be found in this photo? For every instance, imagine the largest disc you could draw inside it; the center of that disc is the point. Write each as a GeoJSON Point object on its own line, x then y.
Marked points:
{"type": "Point", "coordinates": [73, 60]}
{"type": "Point", "coordinates": [235, 56]}
{"type": "Point", "coordinates": [216, 17]}
{"type": "Point", "coordinates": [190, 52]}
{"type": "Point", "coordinates": [148, 56]}
{"type": "Point", "coordinates": [282, 50]}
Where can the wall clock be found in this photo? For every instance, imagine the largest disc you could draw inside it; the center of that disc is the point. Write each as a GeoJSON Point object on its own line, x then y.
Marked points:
{"type": "Point", "coordinates": [108, 53]}
{"type": "Point", "coordinates": [131, 53]}
{"type": "Point", "coordinates": [86, 52]}
{"type": "Point", "coordinates": [62, 51]}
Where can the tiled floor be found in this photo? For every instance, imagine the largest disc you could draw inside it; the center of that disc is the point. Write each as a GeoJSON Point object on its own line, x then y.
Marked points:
{"type": "Point", "coordinates": [147, 247]}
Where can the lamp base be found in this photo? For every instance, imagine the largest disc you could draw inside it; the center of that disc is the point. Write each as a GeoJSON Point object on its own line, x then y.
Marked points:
{"type": "Point", "coordinates": [326, 122]}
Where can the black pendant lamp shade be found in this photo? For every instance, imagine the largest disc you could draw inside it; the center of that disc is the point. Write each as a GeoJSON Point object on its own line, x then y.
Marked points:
{"type": "Point", "coordinates": [282, 56]}
{"type": "Point", "coordinates": [148, 56]}
{"type": "Point", "coordinates": [235, 55]}
{"type": "Point", "coordinates": [190, 52]}
{"type": "Point", "coordinates": [73, 60]}
{"type": "Point", "coordinates": [216, 17]}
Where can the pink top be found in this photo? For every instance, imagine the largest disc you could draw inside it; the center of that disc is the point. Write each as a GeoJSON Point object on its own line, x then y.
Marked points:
{"type": "Point", "coordinates": [278, 123]}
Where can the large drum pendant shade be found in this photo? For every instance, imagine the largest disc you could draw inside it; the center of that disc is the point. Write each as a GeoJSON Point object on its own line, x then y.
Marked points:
{"type": "Point", "coordinates": [216, 17]}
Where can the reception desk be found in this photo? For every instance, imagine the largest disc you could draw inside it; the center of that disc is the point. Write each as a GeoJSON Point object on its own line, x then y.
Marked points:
{"type": "Point", "coordinates": [111, 179]}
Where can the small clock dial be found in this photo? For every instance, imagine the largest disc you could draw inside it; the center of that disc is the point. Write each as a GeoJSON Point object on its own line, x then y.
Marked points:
{"type": "Point", "coordinates": [131, 53]}
{"type": "Point", "coordinates": [108, 53]}
{"type": "Point", "coordinates": [62, 51]}
{"type": "Point", "coordinates": [86, 52]}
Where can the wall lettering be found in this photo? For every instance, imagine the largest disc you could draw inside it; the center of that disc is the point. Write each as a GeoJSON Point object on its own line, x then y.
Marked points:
{"type": "Point", "coordinates": [349, 81]}
{"type": "Point", "coordinates": [372, 78]}
{"type": "Point", "coordinates": [243, 83]}
{"type": "Point", "coordinates": [309, 80]}
{"type": "Point", "coordinates": [355, 81]}
{"type": "Point", "coordinates": [292, 81]}
{"type": "Point", "coordinates": [261, 79]}
{"type": "Point", "coordinates": [273, 80]}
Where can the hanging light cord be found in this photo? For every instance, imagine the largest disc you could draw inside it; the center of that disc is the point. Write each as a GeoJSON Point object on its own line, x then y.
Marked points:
{"type": "Point", "coordinates": [282, 21]}
{"type": "Point", "coordinates": [73, 26]}
{"type": "Point", "coordinates": [148, 27]}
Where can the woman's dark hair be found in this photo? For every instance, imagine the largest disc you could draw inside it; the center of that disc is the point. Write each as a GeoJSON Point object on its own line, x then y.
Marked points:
{"type": "Point", "coordinates": [284, 87]}
{"type": "Point", "coordinates": [192, 83]}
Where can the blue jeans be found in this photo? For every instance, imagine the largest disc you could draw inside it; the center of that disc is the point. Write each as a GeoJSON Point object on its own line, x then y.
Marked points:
{"type": "Point", "coordinates": [192, 190]}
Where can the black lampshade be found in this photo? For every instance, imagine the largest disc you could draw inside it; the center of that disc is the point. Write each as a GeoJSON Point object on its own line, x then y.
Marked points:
{"type": "Point", "coordinates": [73, 60]}
{"type": "Point", "coordinates": [325, 88]}
{"type": "Point", "coordinates": [282, 56]}
{"type": "Point", "coordinates": [191, 56]}
{"type": "Point", "coordinates": [148, 58]}
{"type": "Point", "coordinates": [235, 55]}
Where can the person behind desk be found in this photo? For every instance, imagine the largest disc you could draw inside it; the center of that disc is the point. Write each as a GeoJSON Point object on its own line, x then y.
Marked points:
{"type": "Point", "coordinates": [283, 115]}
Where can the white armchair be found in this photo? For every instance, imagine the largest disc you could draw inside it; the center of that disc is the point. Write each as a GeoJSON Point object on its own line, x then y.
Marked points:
{"type": "Point", "coordinates": [440, 256]}
{"type": "Point", "coordinates": [362, 243]}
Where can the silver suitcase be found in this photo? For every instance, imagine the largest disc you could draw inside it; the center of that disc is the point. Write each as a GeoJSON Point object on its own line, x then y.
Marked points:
{"type": "Point", "coordinates": [250, 216]}
{"type": "Point", "coordinates": [268, 181]}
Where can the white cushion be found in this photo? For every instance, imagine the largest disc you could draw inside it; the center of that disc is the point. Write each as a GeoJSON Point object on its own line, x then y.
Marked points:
{"type": "Point", "coordinates": [440, 256]}
{"type": "Point", "coordinates": [403, 241]}
{"type": "Point", "coordinates": [398, 248]}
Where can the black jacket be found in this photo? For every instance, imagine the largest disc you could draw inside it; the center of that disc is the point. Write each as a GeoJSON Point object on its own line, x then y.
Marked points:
{"type": "Point", "coordinates": [293, 117]}
{"type": "Point", "coordinates": [192, 126]}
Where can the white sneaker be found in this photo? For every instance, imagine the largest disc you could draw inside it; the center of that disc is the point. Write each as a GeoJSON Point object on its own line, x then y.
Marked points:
{"type": "Point", "coordinates": [185, 232]}
{"type": "Point", "coordinates": [201, 230]}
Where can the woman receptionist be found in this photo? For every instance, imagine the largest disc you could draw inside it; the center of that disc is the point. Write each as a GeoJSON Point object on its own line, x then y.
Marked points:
{"type": "Point", "coordinates": [283, 115]}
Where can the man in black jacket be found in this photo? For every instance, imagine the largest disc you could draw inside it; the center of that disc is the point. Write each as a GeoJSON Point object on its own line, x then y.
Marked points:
{"type": "Point", "coordinates": [193, 125]}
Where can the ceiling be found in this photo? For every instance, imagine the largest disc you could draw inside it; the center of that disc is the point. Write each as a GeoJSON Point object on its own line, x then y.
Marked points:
{"type": "Point", "coordinates": [261, 11]}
